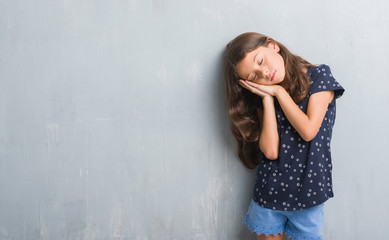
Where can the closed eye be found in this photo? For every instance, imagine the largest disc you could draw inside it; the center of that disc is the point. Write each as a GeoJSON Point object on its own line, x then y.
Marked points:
{"type": "Point", "coordinates": [255, 77]}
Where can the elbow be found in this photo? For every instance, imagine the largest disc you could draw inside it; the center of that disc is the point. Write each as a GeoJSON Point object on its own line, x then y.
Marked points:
{"type": "Point", "coordinates": [309, 135]}
{"type": "Point", "coordinates": [271, 155]}
{"type": "Point", "coordinates": [270, 149]}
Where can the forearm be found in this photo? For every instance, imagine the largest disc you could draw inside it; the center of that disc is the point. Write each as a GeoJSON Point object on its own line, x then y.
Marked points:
{"type": "Point", "coordinates": [269, 139]}
{"type": "Point", "coordinates": [307, 125]}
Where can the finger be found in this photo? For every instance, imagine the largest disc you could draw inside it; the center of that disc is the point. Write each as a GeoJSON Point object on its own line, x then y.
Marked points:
{"type": "Point", "coordinates": [252, 84]}
{"type": "Point", "coordinates": [255, 88]}
{"type": "Point", "coordinates": [255, 85]}
{"type": "Point", "coordinates": [251, 89]}
{"type": "Point", "coordinates": [241, 81]}
{"type": "Point", "coordinates": [243, 84]}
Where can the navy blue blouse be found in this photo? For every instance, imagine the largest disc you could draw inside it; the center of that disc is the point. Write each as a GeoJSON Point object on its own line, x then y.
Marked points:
{"type": "Point", "coordinates": [301, 176]}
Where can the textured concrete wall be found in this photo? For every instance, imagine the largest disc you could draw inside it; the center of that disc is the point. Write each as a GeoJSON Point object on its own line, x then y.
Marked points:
{"type": "Point", "coordinates": [113, 120]}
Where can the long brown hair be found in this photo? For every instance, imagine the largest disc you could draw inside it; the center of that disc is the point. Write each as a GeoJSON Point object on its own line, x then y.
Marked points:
{"type": "Point", "coordinates": [244, 107]}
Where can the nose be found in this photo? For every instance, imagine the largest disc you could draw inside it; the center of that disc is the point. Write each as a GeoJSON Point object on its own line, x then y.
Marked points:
{"type": "Point", "coordinates": [265, 72]}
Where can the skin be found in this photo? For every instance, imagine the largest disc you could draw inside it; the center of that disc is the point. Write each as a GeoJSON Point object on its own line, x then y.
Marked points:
{"type": "Point", "coordinates": [259, 65]}
{"type": "Point", "coordinates": [272, 237]}
{"type": "Point", "coordinates": [256, 71]}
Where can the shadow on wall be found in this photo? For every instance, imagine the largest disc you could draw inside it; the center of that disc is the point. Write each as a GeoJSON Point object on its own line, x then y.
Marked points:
{"type": "Point", "coordinates": [228, 140]}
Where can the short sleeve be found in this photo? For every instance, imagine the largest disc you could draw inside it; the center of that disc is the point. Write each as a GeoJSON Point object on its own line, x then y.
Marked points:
{"type": "Point", "coordinates": [322, 80]}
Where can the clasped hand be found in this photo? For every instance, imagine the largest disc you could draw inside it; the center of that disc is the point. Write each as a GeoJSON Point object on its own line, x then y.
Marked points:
{"type": "Point", "coordinates": [260, 90]}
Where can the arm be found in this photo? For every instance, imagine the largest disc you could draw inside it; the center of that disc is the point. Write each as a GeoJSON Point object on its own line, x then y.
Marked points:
{"type": "Point", "coordinates": [269, 139]}
{"type": "Point", "coordinates": [307, 125]}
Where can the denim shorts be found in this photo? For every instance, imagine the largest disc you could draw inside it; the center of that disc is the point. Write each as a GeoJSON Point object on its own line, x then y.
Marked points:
{"type": "Point", "coordinates": [304, 224]}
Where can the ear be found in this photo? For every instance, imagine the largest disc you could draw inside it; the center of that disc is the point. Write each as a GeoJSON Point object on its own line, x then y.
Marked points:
{"type": "Point", "coordinates": [273, 45]}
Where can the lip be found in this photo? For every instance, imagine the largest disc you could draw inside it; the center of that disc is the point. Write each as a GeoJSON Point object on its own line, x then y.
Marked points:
{"type": "Point", "coordinates": [272, 77]}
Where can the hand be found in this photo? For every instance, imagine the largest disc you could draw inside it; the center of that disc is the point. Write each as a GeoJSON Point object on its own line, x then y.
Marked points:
{"type": "Point", "coordinates": [253, 89]}
{"type": "Point", "coordinates": [268, 89]}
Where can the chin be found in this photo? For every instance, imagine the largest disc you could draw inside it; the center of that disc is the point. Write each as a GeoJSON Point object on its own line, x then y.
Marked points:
{"type": "Point", "coordinates": [282, 80]}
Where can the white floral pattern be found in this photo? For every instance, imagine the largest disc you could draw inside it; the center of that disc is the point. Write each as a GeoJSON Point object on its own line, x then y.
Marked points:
{"type": "Point", "coordinates": [301, 177]}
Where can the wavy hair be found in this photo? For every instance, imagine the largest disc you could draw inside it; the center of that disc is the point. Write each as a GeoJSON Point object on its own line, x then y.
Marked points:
{"type": "Point", "coordinates": [245, 108]}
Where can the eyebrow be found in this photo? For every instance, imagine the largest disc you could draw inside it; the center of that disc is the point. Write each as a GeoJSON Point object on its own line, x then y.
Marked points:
{"type": "Point", "coordinates": [253, 61]}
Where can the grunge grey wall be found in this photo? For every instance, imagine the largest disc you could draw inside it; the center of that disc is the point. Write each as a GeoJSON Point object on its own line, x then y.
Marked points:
{"type": "Point", "coordinates": [113, 119]}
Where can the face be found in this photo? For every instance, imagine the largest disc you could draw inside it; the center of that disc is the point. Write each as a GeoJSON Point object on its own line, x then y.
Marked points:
{"type": "Point", "coordinates": [264, 65]}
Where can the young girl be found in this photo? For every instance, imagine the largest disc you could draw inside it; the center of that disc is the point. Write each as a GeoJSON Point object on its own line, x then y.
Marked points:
{"type": "Point", "coordinates": [282, 112]}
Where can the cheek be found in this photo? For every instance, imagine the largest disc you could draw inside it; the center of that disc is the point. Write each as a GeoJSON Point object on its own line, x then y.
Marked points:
{"type": "Point", "coordinates": [281, 64]}
{"type": "Point", "coordinates": [281, 61]}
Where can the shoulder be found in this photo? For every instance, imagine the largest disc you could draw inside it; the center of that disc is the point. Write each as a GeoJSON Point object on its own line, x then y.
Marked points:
{"type": "Point", "coordinates": [318, 71]}
{"type": "Point", "coordinates": [321, 79]}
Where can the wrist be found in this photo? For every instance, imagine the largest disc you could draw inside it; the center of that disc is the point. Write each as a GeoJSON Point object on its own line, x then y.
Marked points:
{"type": "Point", "coordinates": [279, 90]}
{"type": "Point", "coordinates": [267, 99]}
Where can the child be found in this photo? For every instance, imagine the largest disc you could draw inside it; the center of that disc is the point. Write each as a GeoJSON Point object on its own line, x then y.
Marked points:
{"type": "Point", "coordinates": [282, 112]}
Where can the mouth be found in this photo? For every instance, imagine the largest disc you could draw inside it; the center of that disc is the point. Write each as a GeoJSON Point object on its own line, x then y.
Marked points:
{"type": "Point", "coordinates": [272, 77]}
